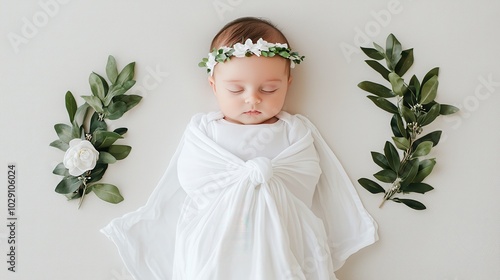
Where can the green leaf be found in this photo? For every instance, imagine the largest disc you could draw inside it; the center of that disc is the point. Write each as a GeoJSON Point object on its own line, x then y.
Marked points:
{"type": "Point", "coordinates": [128, 84]}
{"type": "Point", "coordinates": [433, 72]}
{"type": "Point", "coordinates": [121, 130]}
{"type": "Point", "coordinates": [98, 172]}
{"type": "Point", "coordinates": [424, 169]}
{"type": "Point", "coordinates": [433, 137]}
{"type": "Point", "coordinates": [61, 170]}
{"type": "Point", "coordinates": [96, 124]}
{"type": "Point", "coordinates": [60, 145]}
{"type": "Point", "coordinates": [393, 50]}
{"type": "Point", "coordinates": [68, 184]}
{"type": "Point", "coordinates": [103, 139]}
{"type": "Point", "coordinates": [373, 53]}
{"type": "Point", "coordinates": [126, 74]}
{"type": "Point", "coordinates": [401, 143]}
{"type": "Point", "coordinates": [405, 62]}
{"type": "Point", "coordinates": [94, 102]}
{"type": "Point", "coordinates": [107, 192]}
{"type": "Point", "coordinates": [383, 104]}
{"type": "Point", "coordinates": [386, 176]}
{"type": "Point", "coordinates": [116, 110]}
{"type": "Point", "coordinates": [429, 90]}
{"type": "Point", "coordinates": [409, 172]}
{"type": "Point", "coordinates": [379, 48]}
{"type": "Point", "coordinates": [64, 131]}
{"type": "Point", "coordinates": [98, 86]}
{"type": "Point", "coordinates": [448, 109]}
{"type": "Point", "coordinates": [371, 186]}
{"type": "Point", "coordinates": [415, 86]}
{"type": "Point", "coordinates": [397, 126]}
{"type": "Point", "coordinates": [114, 91]}
{"type": "Point", "coordinates": [106, 158]}
{"type": "Point", "coordinates": [76, 131]}
{"type": "Point", "coordinates": [81, 114]}
{"type": "Point", "coordinates": [379, 68]}
{"type": "Point", "coordinates": [392, 156]}
{"type": "Point", "coordinates": [422, 149]}
{"type": "Point", "coordinates": [380, 160]}
{"type": "Point", "coordinates": [430, 116]}
{"type": "Point", "coordinates": [111, 69]}
{"type": "Point", "coordinates": [417, 188]}
{"type": "Point", "coordinates": [73, 195]}
{"type": "Point", "coordinates": [70, 105]}
{"type": "Point", "coordinates": [408, 114]}
{"type": "Point", "coordinates": [376, 89]}
{"type": "Point", "coordinates": [119, 151]}
{"type": "Point", "coordinates": [130, 100]}
{"type": "Point", "coordinates": [397, 83]}
{"type": "Point", "coordinates": [410, 203]}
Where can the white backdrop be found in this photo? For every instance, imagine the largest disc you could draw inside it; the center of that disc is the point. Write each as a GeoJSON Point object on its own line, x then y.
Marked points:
{"type": "Point", "coordinates": [51, 46]}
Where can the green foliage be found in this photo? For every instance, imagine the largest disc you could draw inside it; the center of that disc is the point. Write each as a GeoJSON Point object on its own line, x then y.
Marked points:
{"type": "Point", "coordinates": [107, 101]}
{"type": "Point", "coordinates": [404, 163]}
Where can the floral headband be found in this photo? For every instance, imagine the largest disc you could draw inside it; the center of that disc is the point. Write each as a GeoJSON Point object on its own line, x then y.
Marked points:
{"type": "Point", "coordinates": [262, 47]}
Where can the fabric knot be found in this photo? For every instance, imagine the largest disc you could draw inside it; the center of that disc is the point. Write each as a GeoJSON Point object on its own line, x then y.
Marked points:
{"type": "Point", "coordinates": [261, 170]}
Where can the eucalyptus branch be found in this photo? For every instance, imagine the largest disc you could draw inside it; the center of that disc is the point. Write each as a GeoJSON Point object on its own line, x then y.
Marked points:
{"type": "Point", "coordinates": [88, 145]}
{"type": "Point", "coordinates": [415, 107]}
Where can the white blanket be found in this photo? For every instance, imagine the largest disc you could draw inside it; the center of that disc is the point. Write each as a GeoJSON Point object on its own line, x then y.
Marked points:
{"type": "Point", "coordinates": [215, 216]}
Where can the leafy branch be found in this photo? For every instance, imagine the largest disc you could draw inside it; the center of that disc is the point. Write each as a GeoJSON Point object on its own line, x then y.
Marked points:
{"type": "Point", "coordinates": [404, 161]}
{"type": "Point", "coordinates": [88, 144]}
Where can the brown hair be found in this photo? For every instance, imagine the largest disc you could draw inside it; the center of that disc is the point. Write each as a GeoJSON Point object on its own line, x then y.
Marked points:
{"type": "Point", "coordinates": [238, 30]}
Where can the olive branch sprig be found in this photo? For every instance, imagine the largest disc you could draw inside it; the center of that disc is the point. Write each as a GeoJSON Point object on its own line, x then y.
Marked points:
{"type": "Point", "coordinates": [88, 144]}
{"type": "Point", "coordinates": [414, 108]}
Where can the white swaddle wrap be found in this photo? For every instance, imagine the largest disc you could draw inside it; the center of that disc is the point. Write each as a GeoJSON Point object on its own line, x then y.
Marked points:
{"type": "Point", "coordinates": [216, 216]}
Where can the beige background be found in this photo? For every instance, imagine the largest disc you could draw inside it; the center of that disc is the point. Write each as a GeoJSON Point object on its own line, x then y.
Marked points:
{"type": "Point", "coordinates": [49, 47]}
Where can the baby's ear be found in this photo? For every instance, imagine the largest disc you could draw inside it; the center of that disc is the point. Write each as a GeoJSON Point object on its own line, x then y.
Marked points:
{"type": "Point", "coordinates": [211, 81]}
{"type": "Point", "coordinates": [290, 79]}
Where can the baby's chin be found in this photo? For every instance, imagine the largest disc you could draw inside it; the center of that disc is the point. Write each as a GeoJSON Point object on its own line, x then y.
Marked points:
{"type": "Point", "coordinates": [252, 120]}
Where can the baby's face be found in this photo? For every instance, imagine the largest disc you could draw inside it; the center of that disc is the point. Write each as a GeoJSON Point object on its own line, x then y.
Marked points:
{"type": "Point", "coordinates": [251, 90]}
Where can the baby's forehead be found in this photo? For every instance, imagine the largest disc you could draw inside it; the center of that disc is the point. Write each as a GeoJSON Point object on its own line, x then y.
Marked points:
{"type": "Point", "coordinates": [253, 67]}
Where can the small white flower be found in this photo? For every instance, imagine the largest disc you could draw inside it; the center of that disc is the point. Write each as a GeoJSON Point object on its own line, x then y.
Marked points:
{"type": "Point", "coordinates": [263, 45]}
{"type": "Point", "coordinates": [211, 62]}
{"type": "Point", "coordinates": [253, 48]}
{"type": "Point", "coordinates": [278, 45]}
{"type": "Point", "coordinates": [240, 50]}
{"type": "Point", "coordinates": [81, 156]}
{"type": "Point", "coordinates": [225, 49]}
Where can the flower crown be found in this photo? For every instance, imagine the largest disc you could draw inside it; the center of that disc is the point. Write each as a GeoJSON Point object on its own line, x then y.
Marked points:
{"type": "Point", "coordinates": [262, 47]}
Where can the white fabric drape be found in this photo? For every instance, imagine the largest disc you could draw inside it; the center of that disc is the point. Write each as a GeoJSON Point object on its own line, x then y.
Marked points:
{"type": "Point", "coordinates": [215, 216]}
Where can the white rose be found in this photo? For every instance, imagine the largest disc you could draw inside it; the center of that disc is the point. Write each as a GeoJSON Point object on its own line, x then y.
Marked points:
{"type": "Point", "coordinates": [81, 156]}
